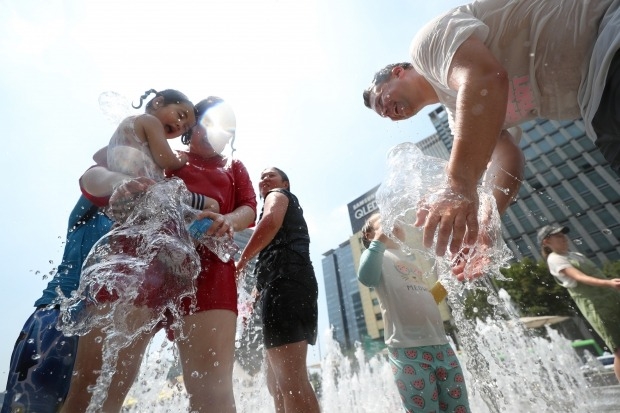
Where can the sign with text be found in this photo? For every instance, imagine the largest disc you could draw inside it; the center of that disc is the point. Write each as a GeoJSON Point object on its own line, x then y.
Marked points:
{"type": "Point", "coordinates": [361, 208]}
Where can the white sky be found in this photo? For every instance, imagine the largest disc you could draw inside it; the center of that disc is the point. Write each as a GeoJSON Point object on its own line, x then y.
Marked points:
{"type": "Point", "coordinates": [293, 71]}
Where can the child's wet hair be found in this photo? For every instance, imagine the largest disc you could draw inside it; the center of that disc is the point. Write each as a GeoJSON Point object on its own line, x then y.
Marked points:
{"type": "Point", "coordinates": [367, 229]}
{"type": "Point", "coordinates": [170, 96]}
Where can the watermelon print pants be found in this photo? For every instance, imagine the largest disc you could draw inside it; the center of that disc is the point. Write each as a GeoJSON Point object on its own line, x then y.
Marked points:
{"type": "Point", "coordinates": [429, 379]}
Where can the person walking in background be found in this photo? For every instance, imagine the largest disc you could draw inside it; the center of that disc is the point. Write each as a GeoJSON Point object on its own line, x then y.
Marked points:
{"type": "Point", "coordinates": [596, 296]}
{"type": "Point", "coordinates": [494, 64]}
{"type": "Point", "coordinates": [288, 292]}
{"type": "Point", "coordinates": [426, 370]}
{"type": "Point", "coordinates": [206, 345]}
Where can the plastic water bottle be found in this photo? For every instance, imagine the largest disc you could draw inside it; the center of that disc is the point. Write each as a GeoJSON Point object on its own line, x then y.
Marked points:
{"type": "Point", "coordinates": [224, 247]}
{"type": "Point", "coordinates": [199, 227]}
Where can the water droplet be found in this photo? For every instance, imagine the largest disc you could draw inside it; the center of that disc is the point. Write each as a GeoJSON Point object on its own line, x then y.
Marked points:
{"type": "Point", "coordinates": [195, 374]}
{"type": "Point", "coordinates": [578, 241]}
{"type": "Point", "coordinates": [606, 231]}
{"type": "Point", "coordinates": [36, 356]}
{"type": "Point", "coordinates": [98, 339]}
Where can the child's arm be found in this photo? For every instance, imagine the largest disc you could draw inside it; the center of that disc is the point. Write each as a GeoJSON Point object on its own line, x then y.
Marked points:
{"type": "Point", "coordinates": [150, 128]}
{"type": "Point", "coordinates": [371, 262]}
{"type": "Point", "coordinates": [204, 203]}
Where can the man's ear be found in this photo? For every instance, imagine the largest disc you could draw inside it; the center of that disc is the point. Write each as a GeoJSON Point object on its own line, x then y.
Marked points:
{"type": "Point", "coordinates": [397, 71]}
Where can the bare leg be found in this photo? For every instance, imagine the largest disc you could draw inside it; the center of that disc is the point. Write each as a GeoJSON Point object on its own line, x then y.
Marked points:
{"type": "Point", "coordinates": [274, 390]}
{"type": "Point", "coordinates": [88, 366]}
{"type": "Point", "coordinates": [89, 361]}
{"type": "Point", "coordinates": [207, 357]}
{"type": "Point", "coordinates": [288, 363]}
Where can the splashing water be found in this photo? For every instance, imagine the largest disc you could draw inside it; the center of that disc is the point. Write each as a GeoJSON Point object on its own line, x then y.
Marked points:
{"type": "Point", "coordinates": [413, 178]}
{"type": "Point", "coordinates": [136, 277]}
{"type": "Point", "coordinates": [114, 107]}
{"type": "Point", "coordinates": [359, 384]}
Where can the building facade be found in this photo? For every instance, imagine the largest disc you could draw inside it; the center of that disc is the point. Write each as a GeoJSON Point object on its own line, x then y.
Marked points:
{"type": "Point", "coordinates": [342, 295]}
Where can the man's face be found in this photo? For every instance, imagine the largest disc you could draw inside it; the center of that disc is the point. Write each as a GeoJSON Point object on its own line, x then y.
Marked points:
{"type": "Point", "coordinates": [389, 101]}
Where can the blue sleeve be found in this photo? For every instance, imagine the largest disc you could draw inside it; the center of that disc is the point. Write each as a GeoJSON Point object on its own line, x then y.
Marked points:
{"type": "Point", "coordinates": [371, 262]}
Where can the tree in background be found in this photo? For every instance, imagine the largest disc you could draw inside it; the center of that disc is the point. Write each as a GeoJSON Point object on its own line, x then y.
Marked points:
{"type": "Point", "coordinates": [533, 291]}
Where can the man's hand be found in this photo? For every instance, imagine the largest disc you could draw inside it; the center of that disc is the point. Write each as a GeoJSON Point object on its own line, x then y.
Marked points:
{"type": "Point", "coordinates": [471, 263]}
{"type": "Point", "coordinates": [449, 213]}
{"type": "Point", "coordinates": [475, 260]}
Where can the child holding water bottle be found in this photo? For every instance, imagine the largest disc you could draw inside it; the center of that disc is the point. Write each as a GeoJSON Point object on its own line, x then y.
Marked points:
{"type": "Point", "coordinates": [426, 370]}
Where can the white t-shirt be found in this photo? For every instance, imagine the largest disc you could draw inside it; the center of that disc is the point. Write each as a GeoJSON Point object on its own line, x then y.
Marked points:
{"type": "Point", "coordinates": [557, 263]}
{"type": "Point", "coordinates": [410, 315]}
{"type": "Point", "coordinates": [545, 47]}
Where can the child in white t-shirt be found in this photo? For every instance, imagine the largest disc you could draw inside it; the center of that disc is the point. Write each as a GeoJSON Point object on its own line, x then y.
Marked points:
{"type": "Point", "coordinates": [427, 372]}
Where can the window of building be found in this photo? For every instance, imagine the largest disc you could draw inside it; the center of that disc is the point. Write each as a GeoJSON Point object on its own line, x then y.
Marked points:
{"type": "Point", "coordinates": [574, 130]}
{"type": "Point", "coordinates": [375, 301]}
{"type": "Point", "coordinates": [596, 179]}
{"type": "Point", "coordinates": [567, 199]}
{"type": "Point", "coordinates": [539, 165]}
{"type": "Point", "coordinates": [611, 195]}
{"type": "Point", "coordinates": [550, 178]}
{"type": "Point", "coordinates": [558, 138]}
{"type": "Point", "coordinates": [570, 151]}
{"type": "Point", "coordinates": [554, 158]}
{"type": "Point", "coordinates": [522, 246]}
{"type": "Point", "coordinates": [529, 152]}
{"type": "Point", "coordinates": [534, 135]}
{"type": "Point", "coordinates": [586, 143]}
{"type": "Point", "coordinates": [557, 212]}
{"type": "Point", "coordinates": [579, 186]}
{"type": "Point", "coordinates": [598, 157]}
{"type": "Point", "coordinates": [609, 222]}
{"type": "Point", "coordinates": [565, 171]}
{"type": "Point", "coordinates": [600, 240]}
{"type": "Point", "coordinates": [528, 172]}
{"type": "Point", "coordinates": [548, 126]}
{"type": "Point", "coordinates": [544, 146]}
{"type": "Point", "coordinates": [378, 316]}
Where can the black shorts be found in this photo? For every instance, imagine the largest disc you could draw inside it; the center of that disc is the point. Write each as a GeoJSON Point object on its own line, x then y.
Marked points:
{"type": "Point", "coordinates": [289, 305]}
{"type": "Point", "coordinates": [606, 121]}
